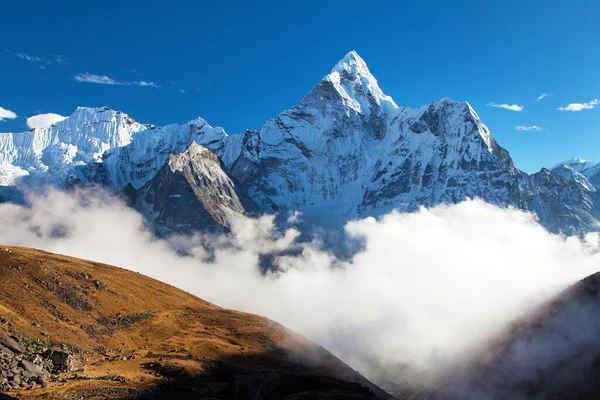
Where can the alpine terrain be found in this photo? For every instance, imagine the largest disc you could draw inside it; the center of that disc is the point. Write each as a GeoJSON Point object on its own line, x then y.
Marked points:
{"type": "Point", "coordinates": [75, 329]}
{"type": "Point", "coordinates": [346, 150]}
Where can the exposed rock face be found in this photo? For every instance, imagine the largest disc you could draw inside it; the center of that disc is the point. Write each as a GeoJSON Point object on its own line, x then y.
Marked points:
{"type": "Point", "coordinates": [345, 151]}
{"type": "Point", "coordinates": [190, 191]}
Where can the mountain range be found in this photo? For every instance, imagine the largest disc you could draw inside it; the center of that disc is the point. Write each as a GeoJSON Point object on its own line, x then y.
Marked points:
{"type": "Point", "coordinates": [345, 151]}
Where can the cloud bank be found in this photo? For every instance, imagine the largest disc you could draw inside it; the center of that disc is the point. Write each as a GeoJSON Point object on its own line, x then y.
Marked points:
{"type": "Point", "coordinates": [420, 295]}
{"type": "Point", "coordinates": [44, 120]}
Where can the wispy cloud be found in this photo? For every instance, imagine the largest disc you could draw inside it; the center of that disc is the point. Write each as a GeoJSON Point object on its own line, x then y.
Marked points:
{"type": "Point", "coordinates": [175, 86]}
{"type": "Point", "coordinates": [106, 80]}
{"type": "Point", "coordinates": [6, 114]}
{"type": "Point", "coordinates": [145, 83]}
{"type": "Point", "coordinates": [529, 128]}
{"type": "Point", "coordinates": [44, 120]}
{"type": "Point", "coordinates": [99, 79]}
{"type": "Point", "coordinates": [59, 59]}
{"type": "Point", "coordinates": [29, 58]}
{"type": "Point", "coordinates": [544, 95]}
{"type": "Point", "coordinates": [580, 106]}
{"type": "Point", "coordinates": [48, 59]}
{"type": "Point", "coordinates": [510, 107]}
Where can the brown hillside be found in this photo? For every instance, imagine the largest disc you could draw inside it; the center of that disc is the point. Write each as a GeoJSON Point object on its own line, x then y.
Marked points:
{"type": "Point", "coordinates": [132, 337]}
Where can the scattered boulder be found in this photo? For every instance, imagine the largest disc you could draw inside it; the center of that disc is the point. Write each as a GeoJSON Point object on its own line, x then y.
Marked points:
{"type": "Point", "coordinates": [11, 344]}
{"type": "Point", "coordinates": [26, 363]}
{"type": "Point", "coordinates": [33, 369]}
{"type": "Point", "coordinates": [62, 360]}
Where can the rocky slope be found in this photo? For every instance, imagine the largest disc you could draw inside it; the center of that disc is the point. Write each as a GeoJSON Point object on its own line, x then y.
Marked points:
{"type": "Point", "coordinates": [75, 329]}
{"type": "Point", "coordinates": [189, 191]}
{"type": "Point", "coordinates": [346, 150]}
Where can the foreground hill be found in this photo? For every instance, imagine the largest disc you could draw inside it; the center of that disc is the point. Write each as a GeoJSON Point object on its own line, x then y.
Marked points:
{"type": "Point", "coordinates": [552, 353]}
{"type": "Point", "coordinates": [76, 329]}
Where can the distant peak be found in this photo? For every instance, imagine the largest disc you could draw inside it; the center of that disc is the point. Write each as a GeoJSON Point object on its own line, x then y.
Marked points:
{"type": "Point", "coordinates": [578, 162]}
{"type": "Point", "coordinates": [194, 147]}
{"type": "Point", "coordinates": [92, 109]}
{"type": "Point", "coordinates": [195, 152]}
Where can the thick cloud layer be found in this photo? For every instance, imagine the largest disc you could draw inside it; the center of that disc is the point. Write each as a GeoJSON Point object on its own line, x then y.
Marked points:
{"type": "Point", "coordinates": [424, 291]}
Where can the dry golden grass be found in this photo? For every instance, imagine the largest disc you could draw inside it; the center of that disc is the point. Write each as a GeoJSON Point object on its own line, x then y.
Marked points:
{"type": "Point", "coordinates": [122, 325]}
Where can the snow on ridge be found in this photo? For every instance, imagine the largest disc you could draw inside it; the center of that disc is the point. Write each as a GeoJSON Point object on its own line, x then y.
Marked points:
{"type": "Point", "coordinates": [351, 77]}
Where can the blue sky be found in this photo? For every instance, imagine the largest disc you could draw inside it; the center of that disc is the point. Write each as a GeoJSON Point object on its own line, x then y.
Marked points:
{"type": "Point", "coordinates": [238, 63]}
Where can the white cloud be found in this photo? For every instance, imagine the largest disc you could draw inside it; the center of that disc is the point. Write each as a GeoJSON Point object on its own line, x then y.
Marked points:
{"type": "Point", "coordinates": [529, 128]}
{"type": "Point", "coordinates": [6, 114]}
{"type": "Point", "coordinates": [510, 107]}
{"type": "Point", "coordinates": [106, 80]}
{"type": "Point", "coordinates": [580, 106]}
{"type": "Point", "coordinates": [423, 291]}
{"type": "Point", "coordinates": [44, 120]}
{"type": "Point", "coordinates": [49, 59]}
{"type": "Point", "coordinates": [27, 57]}
{"type": "Point", "coordinates": [99, 79]}
{"type": "Point", "coordinates": [544, 95]}
{"type": "Point", "coordinates": [144, 83]}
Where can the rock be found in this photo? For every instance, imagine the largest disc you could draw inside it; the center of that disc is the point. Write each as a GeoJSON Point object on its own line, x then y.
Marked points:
{"type": "Point", "coordinates": [11, 344]}
{"type": "Point", "coordinates": [60, 359]}
{"type": "Point", "coordinates": [32, 369]}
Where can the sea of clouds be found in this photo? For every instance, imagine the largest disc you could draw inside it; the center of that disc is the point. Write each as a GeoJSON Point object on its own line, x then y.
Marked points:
{"type": "Point", "coordinates": [421, 294]}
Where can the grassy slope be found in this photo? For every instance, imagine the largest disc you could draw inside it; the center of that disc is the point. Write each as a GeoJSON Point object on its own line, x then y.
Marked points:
{"type": "Point", "coordinates": [135, 337]}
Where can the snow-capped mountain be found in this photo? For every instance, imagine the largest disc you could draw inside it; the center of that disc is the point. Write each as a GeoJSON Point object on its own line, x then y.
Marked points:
{"type": "Point", "coordinates": [590, 170]}
{"type": "Point", "coordinates": [98, 144]}
{"type": "Point", "coordinates": [346, 150]}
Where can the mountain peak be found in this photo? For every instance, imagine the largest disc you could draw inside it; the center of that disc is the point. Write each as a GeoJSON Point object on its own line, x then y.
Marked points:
{"type": "Point", "coordinates": [194, 151]}
{"type": "Point", "coordinates": [83, 109]}
{"type": "Point", "coordinates": [578, 164]}
{"type": "Point", "coordinates": [357, 86]}
{"type": "Point", "coordinates": [351, 61]}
